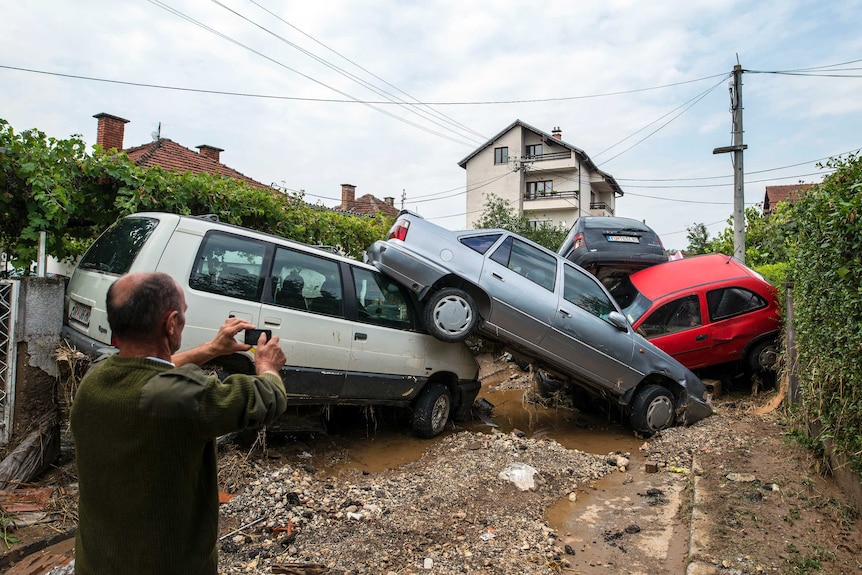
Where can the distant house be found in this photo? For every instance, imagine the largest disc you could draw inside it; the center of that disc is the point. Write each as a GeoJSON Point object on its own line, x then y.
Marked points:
{"type": "Point", "coordinates": [366, 205]}
{"type": "Point", "coordinates": [775, 194]}
{"type": "Point", "coordinates": [546, 179]}
{"type": "Point", "coordinates": [166, 153]}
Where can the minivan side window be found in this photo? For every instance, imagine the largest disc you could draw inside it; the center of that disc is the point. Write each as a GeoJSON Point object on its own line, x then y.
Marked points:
{"type": "Point", "coordinates": [585, 293]}
{"type": "Point", "coordinates": [380, 301]}
{"type": "Point", "coordinates": [117, 248]}
{"type": "Point", "coordinates": [306, 282]}
{"type": "Point", "coordinates": [229, 265]}
{"type": "Point", "coordinates": [732, 301]}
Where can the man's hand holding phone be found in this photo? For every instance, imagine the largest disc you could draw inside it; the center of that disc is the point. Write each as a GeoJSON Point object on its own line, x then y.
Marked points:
{"type": "Point", "coordinates": [268, 357]}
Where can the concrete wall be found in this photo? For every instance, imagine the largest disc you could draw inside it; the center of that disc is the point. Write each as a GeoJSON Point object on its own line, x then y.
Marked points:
{"type": "Point", "coordinates": [37, 336]}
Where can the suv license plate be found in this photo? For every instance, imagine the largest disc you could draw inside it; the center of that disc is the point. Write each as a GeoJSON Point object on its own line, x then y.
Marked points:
{"type": "Point", "coordinates": [80, 312]}
{"type": "Point", "coordinates": [625, 239]}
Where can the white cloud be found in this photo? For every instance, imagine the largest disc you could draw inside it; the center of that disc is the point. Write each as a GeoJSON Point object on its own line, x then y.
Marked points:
{"type": "Point", "coordinates": [454, 52]}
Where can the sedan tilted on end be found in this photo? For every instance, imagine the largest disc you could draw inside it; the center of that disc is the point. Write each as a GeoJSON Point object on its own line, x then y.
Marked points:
{"type": "Point", "coordinates": [505, 288]}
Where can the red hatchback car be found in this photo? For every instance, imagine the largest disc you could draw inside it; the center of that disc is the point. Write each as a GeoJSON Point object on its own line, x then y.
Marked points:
{"type": "Point", "coordinates": [705, 311]}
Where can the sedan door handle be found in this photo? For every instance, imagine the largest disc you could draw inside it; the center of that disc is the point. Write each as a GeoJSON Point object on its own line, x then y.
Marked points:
{"type": "Point", "coordinates": [701, 337]}
{"type": "Point", "coordinates": [498, 276]}
{"type": "Point", "coordinates": [565, 313]}
{"type": "Point", "coordinates": [360, 336]}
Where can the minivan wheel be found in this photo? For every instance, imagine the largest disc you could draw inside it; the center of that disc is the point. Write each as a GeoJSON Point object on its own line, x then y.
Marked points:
{"type": "Point", "coordinates": [652, 410]}
{"type": "Point", "coordinates": [431, 410]}
{"type": "Point", "coordinates": [451, 314]}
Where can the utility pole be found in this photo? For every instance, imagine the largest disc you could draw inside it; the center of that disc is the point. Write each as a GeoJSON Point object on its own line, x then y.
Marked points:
{"type": "Point", "coordinates": [738, 172]}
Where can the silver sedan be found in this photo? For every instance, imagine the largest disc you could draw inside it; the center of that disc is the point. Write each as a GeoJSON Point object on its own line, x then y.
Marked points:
{"type": "Point", "coordinates": [503, 287]}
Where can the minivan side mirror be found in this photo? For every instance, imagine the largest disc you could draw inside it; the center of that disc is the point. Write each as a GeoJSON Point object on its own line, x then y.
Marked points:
{"type": "Point", "coordinates": [618, 320]}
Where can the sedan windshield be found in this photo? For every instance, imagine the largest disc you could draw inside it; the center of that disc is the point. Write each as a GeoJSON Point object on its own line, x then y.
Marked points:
{"type": "Point", "coordinates": [638, 306]}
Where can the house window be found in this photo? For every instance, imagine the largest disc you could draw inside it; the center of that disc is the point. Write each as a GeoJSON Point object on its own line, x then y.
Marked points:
{"type": "Point", "coordinates": [534, 150]}
{"type": "Point", "coordinates": [538, 224]}
{"type": "Point", "coordinates": [538, 189]}
{"type": "Point", "coordinates": [501, 155]}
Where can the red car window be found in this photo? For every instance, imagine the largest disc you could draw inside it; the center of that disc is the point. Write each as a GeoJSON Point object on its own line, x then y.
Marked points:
{"type": "Point", "coordinates": [678, 315]}
{"type": "Point", "coordinates": [732, 301]}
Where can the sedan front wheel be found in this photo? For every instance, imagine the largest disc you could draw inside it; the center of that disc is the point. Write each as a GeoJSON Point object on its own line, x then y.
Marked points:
{"type": "Point", "coordinates": [451, 314]}
{"type": "Point", "coordinates": [652, 410]}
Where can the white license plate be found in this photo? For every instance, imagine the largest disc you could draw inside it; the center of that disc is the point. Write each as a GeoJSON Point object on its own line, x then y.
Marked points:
{"type": "Point", "coordinates": [80, 312]}
{"type": "Point", "coordinates": [626, 239]}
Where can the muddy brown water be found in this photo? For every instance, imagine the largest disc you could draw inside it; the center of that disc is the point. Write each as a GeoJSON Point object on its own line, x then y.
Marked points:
{"type": "Point", "coordinates": [372, 442]}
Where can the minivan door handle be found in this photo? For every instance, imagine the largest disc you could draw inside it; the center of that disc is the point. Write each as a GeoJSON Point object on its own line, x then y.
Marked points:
{"type": "Point", "coordinates": [360, 336]}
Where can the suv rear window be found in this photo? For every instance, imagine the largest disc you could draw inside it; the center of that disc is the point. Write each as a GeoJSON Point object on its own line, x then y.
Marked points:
{"type": "Point", "coordinates": [117, 248]}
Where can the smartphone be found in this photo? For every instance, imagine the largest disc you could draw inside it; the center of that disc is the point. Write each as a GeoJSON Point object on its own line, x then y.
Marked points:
{"type": "Point", "coordinates": [252, 335]}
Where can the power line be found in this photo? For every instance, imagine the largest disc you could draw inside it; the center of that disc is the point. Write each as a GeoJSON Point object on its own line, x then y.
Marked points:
{"type": "Point", "coordinates": [857, 150]}
{"type": "Point", "coordinates": [345, 73]}
{"type": "Point", "coordinates": [373, 75]}
{"type": "Point", "coordinates": [350, 100]}
{"type": "Point", "coordinates": [686, 106]}
{"type": "Point", "coordinates": [203, 26]}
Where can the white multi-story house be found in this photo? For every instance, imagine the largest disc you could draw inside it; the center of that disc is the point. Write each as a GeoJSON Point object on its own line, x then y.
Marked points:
{"type": "Point", "coordinates": [545, 178]}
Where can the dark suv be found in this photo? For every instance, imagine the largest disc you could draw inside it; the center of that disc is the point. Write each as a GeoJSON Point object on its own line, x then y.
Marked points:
{"type": "Point", "coordinates": [611, 248]}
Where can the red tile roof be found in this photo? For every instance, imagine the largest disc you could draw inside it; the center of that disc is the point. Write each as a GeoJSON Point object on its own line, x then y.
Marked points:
{"type": "Point", "coordinates": [172, 156]}
{"type": "Point", "coordinates": [788, 193]}
{"type": "Point", "coordinates": [368, 205]}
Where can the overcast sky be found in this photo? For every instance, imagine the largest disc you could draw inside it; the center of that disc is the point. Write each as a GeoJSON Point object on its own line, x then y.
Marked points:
{"type": "Point", "coordinates": [641, 87]}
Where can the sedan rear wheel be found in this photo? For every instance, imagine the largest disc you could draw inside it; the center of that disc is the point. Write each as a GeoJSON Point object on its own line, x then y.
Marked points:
{"type": "Point", "coordinates": [652, 410]}
{"type": "Point", "coordinates": [451, 314]}
{"type": "Point", "coordinates": [431, 410]}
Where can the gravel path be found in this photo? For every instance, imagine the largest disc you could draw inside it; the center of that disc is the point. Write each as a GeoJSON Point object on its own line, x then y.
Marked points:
{"type": "Point", "coordinates": [450, 511]}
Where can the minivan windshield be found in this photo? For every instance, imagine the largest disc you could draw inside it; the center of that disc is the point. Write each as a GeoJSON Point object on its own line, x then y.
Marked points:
{"type": "Point", "coordinates": [117, 248]}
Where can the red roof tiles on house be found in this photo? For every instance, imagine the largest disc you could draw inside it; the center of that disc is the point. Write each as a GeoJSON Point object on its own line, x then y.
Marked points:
{"type": "Point", "coordinates": [366, 205]}
{"type": "Point", "coordinates": [172, 156]}
{"type": "Point", "coordinates": [788, 193]}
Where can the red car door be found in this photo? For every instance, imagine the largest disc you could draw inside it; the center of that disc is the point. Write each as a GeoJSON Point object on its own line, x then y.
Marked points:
{"type": "Point", "coordinates": [678, 327]}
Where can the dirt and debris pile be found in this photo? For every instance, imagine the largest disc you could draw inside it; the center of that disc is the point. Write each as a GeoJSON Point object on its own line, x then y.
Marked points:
{"type": "Point", "coordinates": [452, 510]}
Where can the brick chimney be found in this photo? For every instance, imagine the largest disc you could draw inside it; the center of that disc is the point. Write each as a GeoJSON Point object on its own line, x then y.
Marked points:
{"type": "Point", "coordinates": [557, 133]}
{"type": "Point", "coordinates": [110, 131]}
{"type": "Point", "coordinates": [210, 152]}
{"type": "Point", "coordinates": [390, 201]}
{"type": "Point", "coordinates": [348, 197]}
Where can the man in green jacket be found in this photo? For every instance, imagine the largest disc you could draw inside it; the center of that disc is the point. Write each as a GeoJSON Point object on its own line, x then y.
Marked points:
{"type": "Point", "coordinates": [145, 423]}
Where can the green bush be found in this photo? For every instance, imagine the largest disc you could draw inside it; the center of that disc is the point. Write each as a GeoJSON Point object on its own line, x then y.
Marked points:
{"type": "Point", "coordinates": [826, 271]}
{"type": "Point", "coordinates": [54, 185]}
{"type": "Point", "coordinates": [776, 274]}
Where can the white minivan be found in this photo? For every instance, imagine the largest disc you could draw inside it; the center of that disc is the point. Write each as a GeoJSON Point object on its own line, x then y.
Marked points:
{"type": "Point", "coordinates": [351, 335]}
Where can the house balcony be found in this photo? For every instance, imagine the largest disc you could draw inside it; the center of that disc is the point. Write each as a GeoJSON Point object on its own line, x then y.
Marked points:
{"type": "Point", "coordinates": [601, 209]}
{"type": "Point", "coordinates": [565, 155]}
{"type": "Point", "coordinates": [551, 162]}
{"type": "Point", "coordinates": [550, 195]}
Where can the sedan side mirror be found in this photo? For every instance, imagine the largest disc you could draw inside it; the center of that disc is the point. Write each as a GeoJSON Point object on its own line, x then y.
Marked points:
{"type": "Point", "coordinates": [619, 321]}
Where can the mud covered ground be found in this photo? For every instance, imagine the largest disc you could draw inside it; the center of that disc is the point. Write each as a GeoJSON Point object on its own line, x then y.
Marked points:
{"type": "Point", "coordinates": [464, 503]}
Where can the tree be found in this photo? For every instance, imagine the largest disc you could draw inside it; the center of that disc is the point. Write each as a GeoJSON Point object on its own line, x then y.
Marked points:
{"type": "Point", "coordinates": [698, 239]}
{"type": "Point", "coordinates": [54, 186]}
{"type": "Point", "coordinates": [498, 213]}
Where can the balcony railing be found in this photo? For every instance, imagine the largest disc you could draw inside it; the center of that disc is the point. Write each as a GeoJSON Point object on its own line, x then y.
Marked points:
{"type": "Point", "coordinates": [601, 206]}
{"type": "Point", "coordinates": [550, 195]}
{"type": "Point", "coordinates": [545, 157]}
